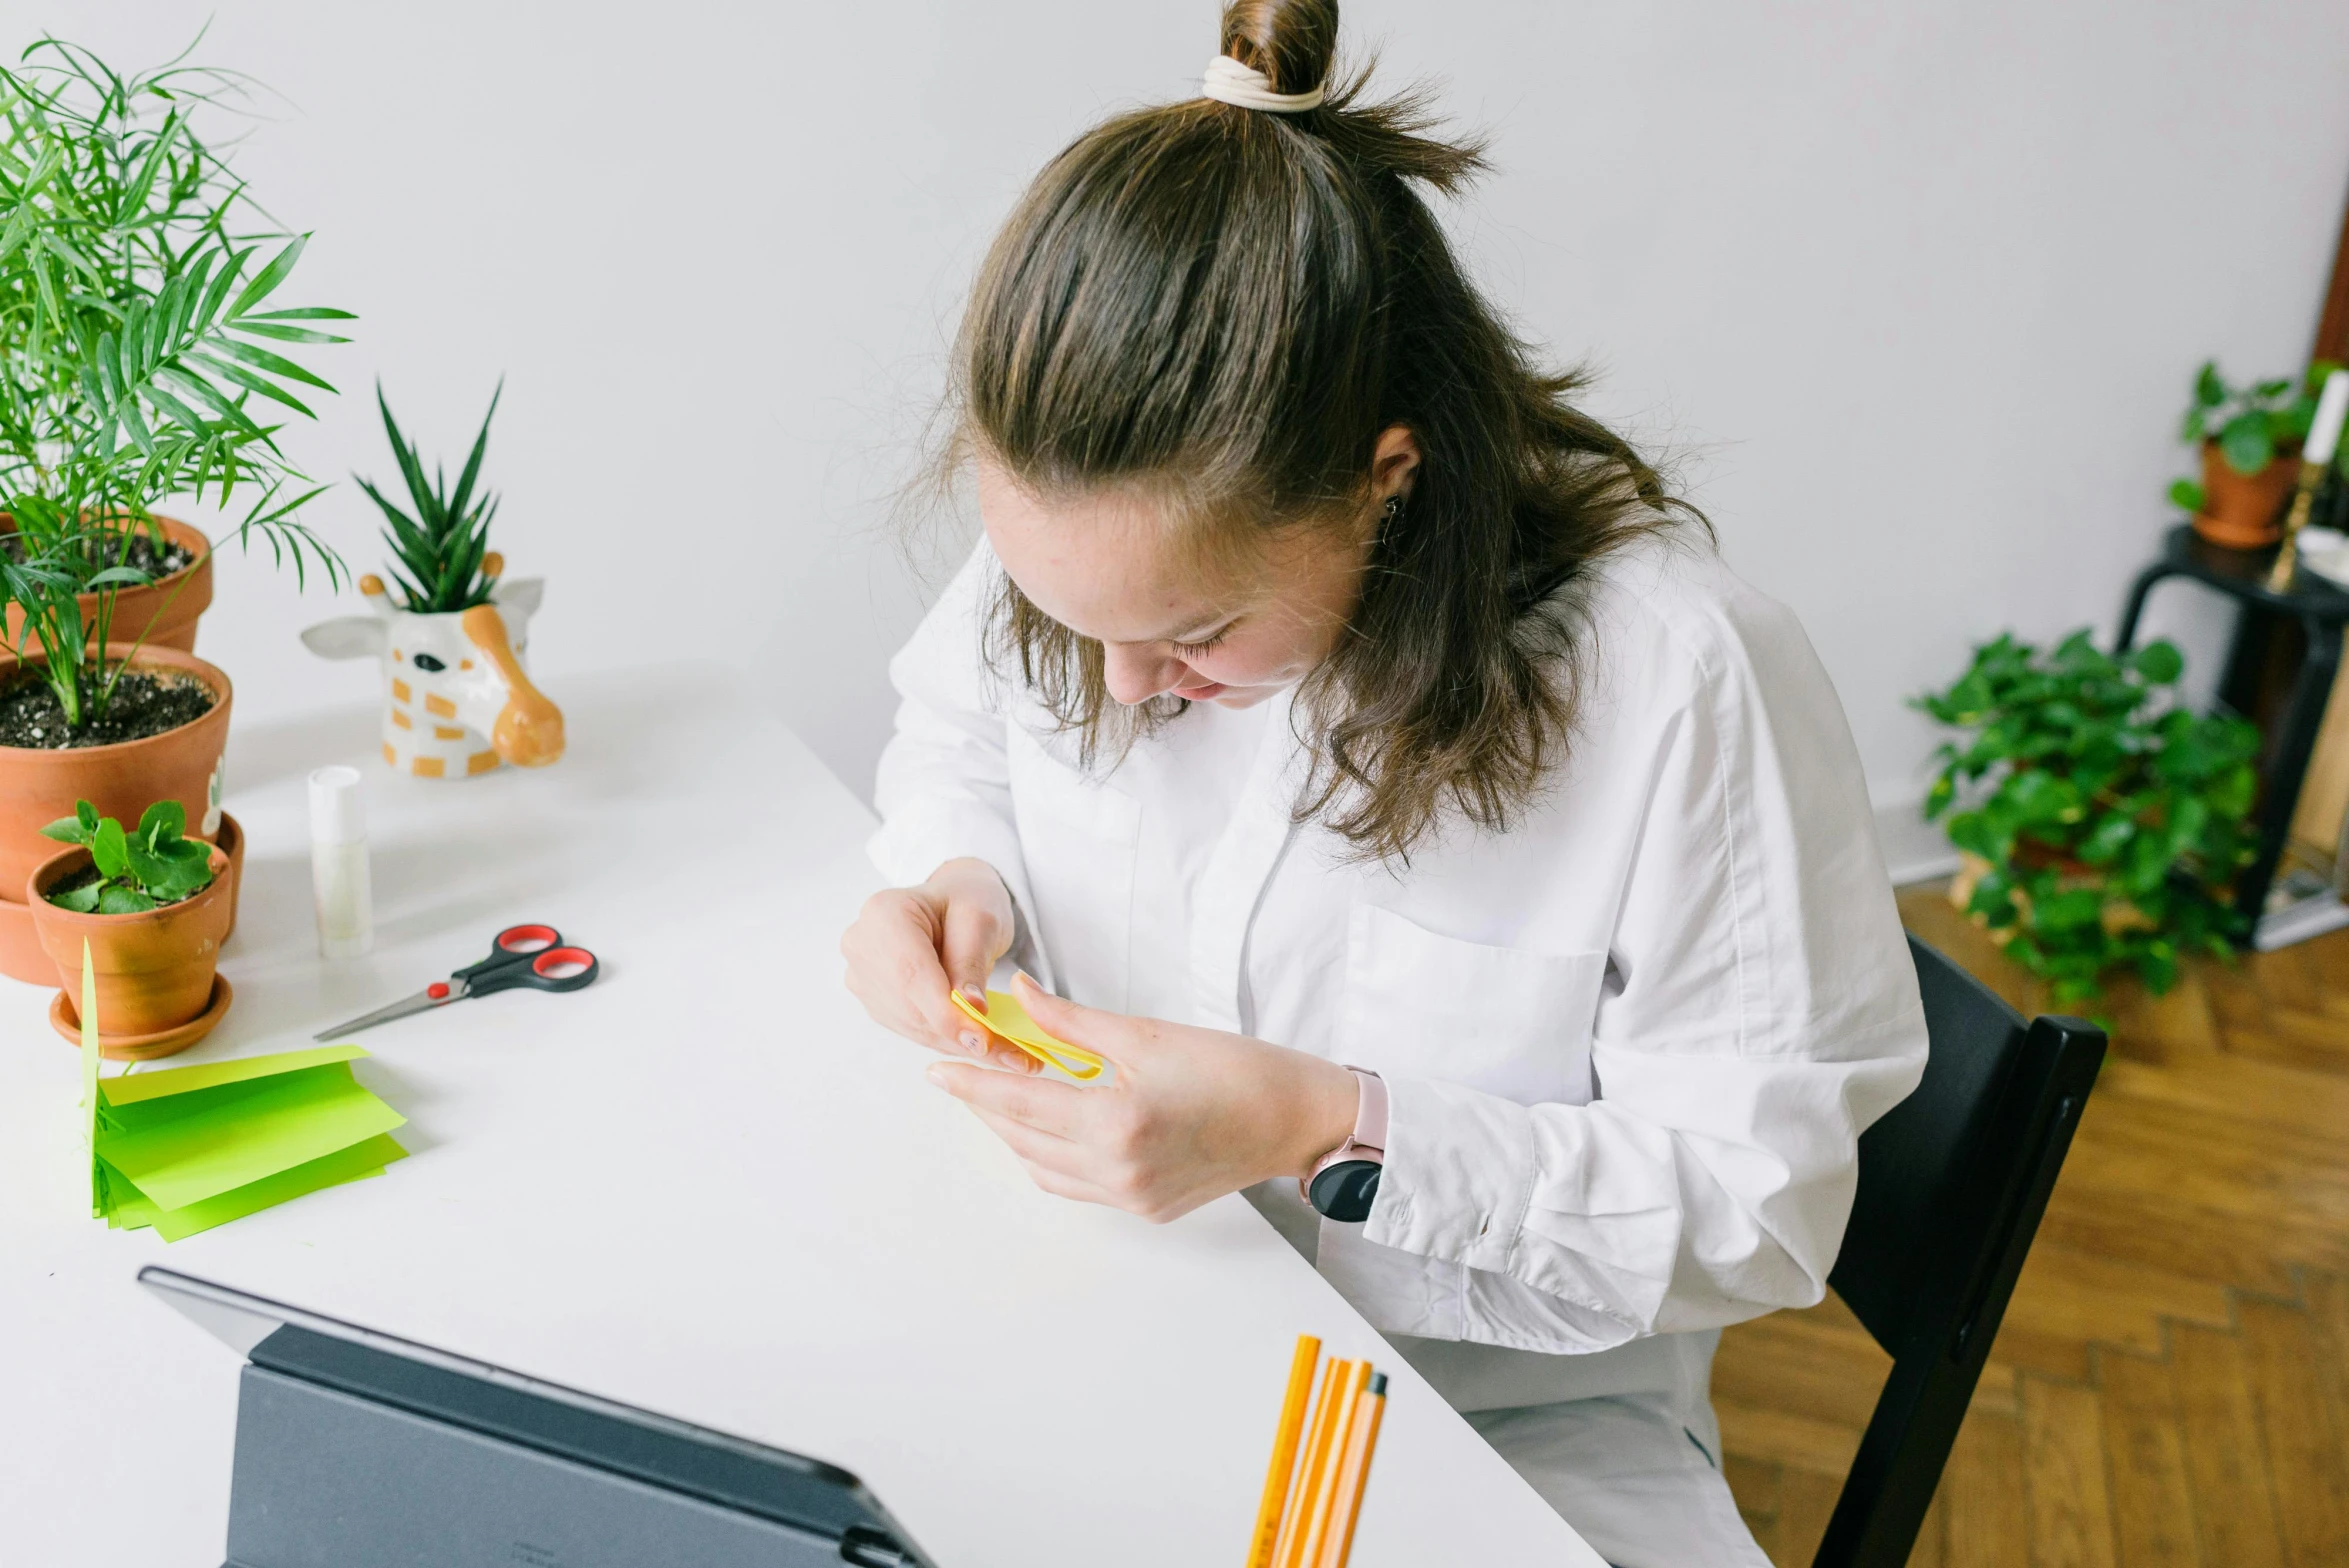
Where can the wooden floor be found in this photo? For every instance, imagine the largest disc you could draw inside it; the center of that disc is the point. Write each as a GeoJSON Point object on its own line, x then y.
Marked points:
{"type": "Point", "coordinates": [2171, 1383]}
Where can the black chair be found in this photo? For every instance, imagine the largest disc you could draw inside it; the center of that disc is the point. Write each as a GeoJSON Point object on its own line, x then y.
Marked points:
{"type": "Point", "coordinates": [1953, 1182]}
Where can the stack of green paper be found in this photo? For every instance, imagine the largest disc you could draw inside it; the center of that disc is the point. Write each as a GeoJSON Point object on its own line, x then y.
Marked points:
{"type": "Point", "coordinates": [189, 1148]}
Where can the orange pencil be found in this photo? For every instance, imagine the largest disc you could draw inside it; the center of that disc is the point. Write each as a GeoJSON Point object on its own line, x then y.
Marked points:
{"type": "Point", "coordinates": [1284, 1452]}
{"type": "Point", "coordinates": [1286, 1553]}
{"type": "Point", "coordinates": [1362, 1438]}
{"type": "Point", "coordinates": [1317, 1502]}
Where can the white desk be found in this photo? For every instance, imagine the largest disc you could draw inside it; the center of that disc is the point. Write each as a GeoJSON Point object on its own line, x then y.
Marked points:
{"type": "Point", "coordinates": [663, 1191]}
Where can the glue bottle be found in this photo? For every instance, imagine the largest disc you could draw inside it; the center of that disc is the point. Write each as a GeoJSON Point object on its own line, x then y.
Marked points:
{"type": "Point", "coordinates": [338, 864]}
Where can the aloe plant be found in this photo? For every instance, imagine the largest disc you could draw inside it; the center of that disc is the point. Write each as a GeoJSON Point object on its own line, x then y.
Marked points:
{"type": "Point", "coordinates": [445, 545]}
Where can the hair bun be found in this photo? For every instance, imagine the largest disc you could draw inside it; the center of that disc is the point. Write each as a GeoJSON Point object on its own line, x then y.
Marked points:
{"type": "Point", "coordinates": [1291, 41]}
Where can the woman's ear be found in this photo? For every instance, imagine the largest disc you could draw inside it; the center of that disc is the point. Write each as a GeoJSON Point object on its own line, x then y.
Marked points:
{"type": "Point", "coordinates": [1393, 462]}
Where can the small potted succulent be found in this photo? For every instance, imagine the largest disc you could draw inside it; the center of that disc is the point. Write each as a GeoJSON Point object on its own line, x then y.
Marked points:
{"type": "Point", "coordinates": [456, 700]}
{"type": "Point", "coordinates": [143, 355]}
{"type": "Point", "coordinates": [151, 906]}
{"type": "Point", "coordinates": [2100, 824]}
{"type": "Point", "coordinates": [2250, 439]}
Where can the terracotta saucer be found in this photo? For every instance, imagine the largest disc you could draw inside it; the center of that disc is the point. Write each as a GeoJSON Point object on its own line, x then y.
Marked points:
{"type": "Point", "coordinates": [66, 1019]}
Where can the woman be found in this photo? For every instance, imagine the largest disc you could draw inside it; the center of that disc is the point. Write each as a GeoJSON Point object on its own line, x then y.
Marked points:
{"type": "Point", "coordinates": [1394, 784]}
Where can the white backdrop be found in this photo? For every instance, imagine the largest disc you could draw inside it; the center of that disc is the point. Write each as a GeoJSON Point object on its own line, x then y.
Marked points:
{"type": "Point", "coordinates": [1916, 290]}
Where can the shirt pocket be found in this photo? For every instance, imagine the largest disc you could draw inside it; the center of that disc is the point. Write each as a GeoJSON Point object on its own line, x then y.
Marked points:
{"type": "Point", "coordinates": [1077, 842]}
{"type": "Point", "coordinates": [1504, 1020]}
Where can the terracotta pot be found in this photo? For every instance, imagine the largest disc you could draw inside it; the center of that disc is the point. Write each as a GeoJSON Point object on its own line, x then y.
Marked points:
{"type": "Point", "coordinates": [2244, 511]}
{"type": "Point", "coordinates": [21, 956]}
{"type": "Point", "coordinates": [164, 612]}
{"type": "Point", "coordinates": [153, 970]}
{"type": "Point", "coordinates": [123, 780]}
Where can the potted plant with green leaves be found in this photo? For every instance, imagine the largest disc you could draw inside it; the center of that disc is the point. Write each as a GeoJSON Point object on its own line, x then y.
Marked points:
{"type": "Point", "coordinates": [2101, 824]}
{"type": "Point", "coordinates": [150, 906]}
{"type": "Point", "coordinates": [143, 356]}
{"type": "Point", "coordinates": [2250, 438]}
{"type": "Point", "coordinates": [456, 702]}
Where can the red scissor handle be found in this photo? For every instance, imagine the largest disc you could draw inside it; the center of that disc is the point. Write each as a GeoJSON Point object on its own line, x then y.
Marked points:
{"type": "Point", "coordinates": [528, 939]}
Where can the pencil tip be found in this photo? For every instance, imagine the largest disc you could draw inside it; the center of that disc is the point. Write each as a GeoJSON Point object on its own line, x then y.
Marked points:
{"type": "Point", "coordinates": [1378, 1384]}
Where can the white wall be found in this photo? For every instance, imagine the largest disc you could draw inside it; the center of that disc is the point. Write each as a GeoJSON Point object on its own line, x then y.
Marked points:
{"type": "Point", "coordinates": [1916, 288]}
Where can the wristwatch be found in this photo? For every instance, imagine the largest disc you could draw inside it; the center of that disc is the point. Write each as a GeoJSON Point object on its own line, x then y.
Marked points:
{"type": "Point", "coordinates": [1344, 1182]}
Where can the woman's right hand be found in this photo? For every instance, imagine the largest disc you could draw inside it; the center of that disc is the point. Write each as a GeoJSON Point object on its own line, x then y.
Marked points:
{"type": "Point", "coordinates": [911, 946]}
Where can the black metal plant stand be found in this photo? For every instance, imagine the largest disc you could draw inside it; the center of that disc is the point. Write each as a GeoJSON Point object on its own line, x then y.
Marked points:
{"type": "Point", "coordinates": [2313, 611]}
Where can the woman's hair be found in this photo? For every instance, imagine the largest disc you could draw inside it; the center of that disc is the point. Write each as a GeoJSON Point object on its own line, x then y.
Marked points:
{"type": "Point", "coordinates": [1222, 308]}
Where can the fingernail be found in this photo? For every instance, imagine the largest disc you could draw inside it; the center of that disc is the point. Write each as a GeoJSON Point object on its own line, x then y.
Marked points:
{"type": "Point", "coordinates": [934, 1075]}
{"type": "Point", "coordinates": [975, 996]}
{"type": "Point", "coordinates": [973, 1044]}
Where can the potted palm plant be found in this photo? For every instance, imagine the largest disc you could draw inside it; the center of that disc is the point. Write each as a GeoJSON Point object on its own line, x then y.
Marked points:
{"type": "Point", "coordinates": [2250, 439]}
{"type": "Point", "coordinates": [143, 356]}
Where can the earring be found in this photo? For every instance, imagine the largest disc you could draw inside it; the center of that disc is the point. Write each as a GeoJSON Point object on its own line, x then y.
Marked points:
{"type": "Point", "coordinates": [1393, 509]}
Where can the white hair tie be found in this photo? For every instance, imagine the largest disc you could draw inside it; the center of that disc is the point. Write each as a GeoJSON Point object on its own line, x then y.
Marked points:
{"type": "Point", "coordinates": [1228, 81]}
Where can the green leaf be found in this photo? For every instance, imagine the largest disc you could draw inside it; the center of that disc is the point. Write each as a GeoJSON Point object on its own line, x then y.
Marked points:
{"type": "Point", "coordinates": [81, 900]}
{"type": "Point", "coordinates": [2159, 662]}
{"type": "Point", "coordinates": [305, 313]}
{"type": "Point", "coordinates": [2246, 444]}
{"type": "Point", "coordinates": [110, 848]}
{"type": "Point", "coordinates": [66, 831]}
{"type": "Point", "coordinates": [163, 823]}
{"type": "Point", "coordinates": [2188, 496]}
{"type": "Point", "coordinates": [115, 899]}
{"type": "Point", "coordinates": [253, 383]}
{"type": "Point", "coordinates": [267, 329]}
{"type": "Point", "coordinates": [278, 365]}
{"type": "Point", "coordinates": [2107, 839]}
{"type": "Point", "coordinates": [269, 277]}
{"type": "Point", "coordinates": [87, 815]}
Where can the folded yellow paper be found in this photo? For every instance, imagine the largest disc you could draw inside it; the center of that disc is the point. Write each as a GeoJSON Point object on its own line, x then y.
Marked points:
{"type": "Point", "coordinates": [1009, 1022]}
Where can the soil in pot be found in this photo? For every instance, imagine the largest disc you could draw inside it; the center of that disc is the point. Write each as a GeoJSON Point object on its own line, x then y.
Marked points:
{"type": "Point", "coordinates": [74, 880]}
{"type": "Point", "coordinates": [141, 553]}
{"type": "Point", "coordinates": [146, 703]}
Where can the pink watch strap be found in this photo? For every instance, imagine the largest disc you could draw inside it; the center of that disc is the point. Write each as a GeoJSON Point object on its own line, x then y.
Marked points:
{"type": "Point", "coordinates": [1370, 1121]}
{"type": "Point", "coordinates": [1368, 1140]}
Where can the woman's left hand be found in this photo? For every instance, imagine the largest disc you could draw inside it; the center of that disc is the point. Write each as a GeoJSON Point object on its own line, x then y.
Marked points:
{"type": "Point", "coordinates": [1192, 1114]}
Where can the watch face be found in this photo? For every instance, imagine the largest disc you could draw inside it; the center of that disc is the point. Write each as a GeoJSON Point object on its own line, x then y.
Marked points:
{"type": "Point", "coordinates": [1346, 1190]}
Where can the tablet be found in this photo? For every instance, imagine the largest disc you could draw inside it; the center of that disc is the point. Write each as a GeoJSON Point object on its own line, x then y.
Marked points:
{"type": "Point", "coordinates": [356, 1449]}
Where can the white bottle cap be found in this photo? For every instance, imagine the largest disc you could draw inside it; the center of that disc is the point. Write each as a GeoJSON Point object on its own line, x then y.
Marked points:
{"type": "Point", "coordinates": [337, 815]}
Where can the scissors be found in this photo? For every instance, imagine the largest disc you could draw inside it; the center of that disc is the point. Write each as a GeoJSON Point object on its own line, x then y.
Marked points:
{"type": "Point", "coordinates": [534, 956]}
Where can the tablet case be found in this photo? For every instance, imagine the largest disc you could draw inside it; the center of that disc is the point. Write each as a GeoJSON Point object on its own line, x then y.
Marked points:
{"type": "Point", "coordinates": [353, 1456]}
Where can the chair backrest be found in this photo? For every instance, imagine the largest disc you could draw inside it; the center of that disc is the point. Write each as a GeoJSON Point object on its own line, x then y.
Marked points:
{"type": "Point", "coordinates": [1953, 1182]}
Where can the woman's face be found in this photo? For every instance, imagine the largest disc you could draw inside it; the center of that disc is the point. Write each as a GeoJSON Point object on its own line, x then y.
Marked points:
{"type": "Point", "coordinates": [1104, 566]}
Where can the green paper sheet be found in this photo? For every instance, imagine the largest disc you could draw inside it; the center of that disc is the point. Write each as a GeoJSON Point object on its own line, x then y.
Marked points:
{"type": "Point", "coordinates": [356, 1163]}
{"type": "Point", "coordinates": [188, 1148]}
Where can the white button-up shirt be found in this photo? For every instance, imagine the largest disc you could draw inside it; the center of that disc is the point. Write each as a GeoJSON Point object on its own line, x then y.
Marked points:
{"type": "Point", "coordinates": [1630, 1042]}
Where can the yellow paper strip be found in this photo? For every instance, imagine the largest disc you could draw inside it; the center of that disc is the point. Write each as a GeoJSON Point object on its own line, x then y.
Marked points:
{"type": "Point", "coordinates": [1009, 1022]}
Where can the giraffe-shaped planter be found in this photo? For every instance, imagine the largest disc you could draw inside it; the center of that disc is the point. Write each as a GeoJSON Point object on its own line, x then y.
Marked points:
{"type": "Point", "coordinates": [456, 701]}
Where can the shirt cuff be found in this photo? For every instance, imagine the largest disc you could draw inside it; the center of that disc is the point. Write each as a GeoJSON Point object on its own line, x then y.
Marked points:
{"type": "Point", "coordinates": [1458, 1176]}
